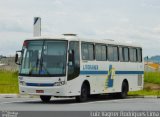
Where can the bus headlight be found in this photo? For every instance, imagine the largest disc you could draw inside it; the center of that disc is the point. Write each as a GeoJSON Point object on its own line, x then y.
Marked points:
{"type": "Point", "coordinates": [59, 83]}
{"type": "Point", "coordinates": [22, 83]}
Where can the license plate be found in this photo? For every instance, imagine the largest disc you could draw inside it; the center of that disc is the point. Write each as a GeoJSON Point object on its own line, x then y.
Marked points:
{"type": "Point", "coordinates": [39, 91]}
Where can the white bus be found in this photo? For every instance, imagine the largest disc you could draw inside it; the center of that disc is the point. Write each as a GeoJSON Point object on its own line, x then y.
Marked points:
{"type": "Point", "coordinates": [69, 66]}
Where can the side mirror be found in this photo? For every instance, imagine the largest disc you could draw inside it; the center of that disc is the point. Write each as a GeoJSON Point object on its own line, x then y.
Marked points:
{"type": "Point", "coordinates": [17, 61]}
{"type": "Point", "coordinates": [16, 58]}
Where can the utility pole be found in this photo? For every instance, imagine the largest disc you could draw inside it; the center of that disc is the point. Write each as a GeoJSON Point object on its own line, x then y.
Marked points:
{"type": "Point", "coordinates": [37, 27]}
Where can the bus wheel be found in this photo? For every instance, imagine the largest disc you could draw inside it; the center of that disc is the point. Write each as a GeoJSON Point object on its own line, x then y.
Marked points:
{"type": "Point", "coordinates": [124, 91]}
{"type": "Point", "coordinates": [45, 98]}
{"type": "Point", "coordinates": [84, 94]}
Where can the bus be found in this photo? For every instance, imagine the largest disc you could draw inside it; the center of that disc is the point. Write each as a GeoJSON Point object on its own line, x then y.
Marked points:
{"type": "Point", "coordinates": [70, 66]}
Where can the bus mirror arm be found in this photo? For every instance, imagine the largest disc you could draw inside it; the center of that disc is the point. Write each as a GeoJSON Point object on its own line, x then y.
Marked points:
{"type": "Point", "coordinates": [17, 57]}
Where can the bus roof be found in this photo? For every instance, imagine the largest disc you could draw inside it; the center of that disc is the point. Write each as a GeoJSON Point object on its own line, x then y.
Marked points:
{"type": "Point", "coordinates": [76, 38]}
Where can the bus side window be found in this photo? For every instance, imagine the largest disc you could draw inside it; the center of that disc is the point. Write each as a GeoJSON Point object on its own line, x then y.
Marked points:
{"type": "Point", "coordinates": [121, 57]}
{"type": "Point", "coordinates": [91, 51]}
{"type": "Point", "coordinates": [139, 54]}
{"type": "Point", "coordinates": [104, 53]}
{"type": "Point", "coordinates": [115, 53]}
{"type": "Point", "coordinates": [87, 50]}
{"type": "Point", "coordinates": [98, 52]}
{"type": "Point", "coordinates": [112, 53]}
{"type": "Point", "coordinates": [126, 54]}
{"type": "Point", "coordinates": [133, 54]}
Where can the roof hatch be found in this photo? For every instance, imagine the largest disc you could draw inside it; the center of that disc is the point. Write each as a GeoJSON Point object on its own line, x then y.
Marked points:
{"type": "Point", "coordinates": [70, 34]}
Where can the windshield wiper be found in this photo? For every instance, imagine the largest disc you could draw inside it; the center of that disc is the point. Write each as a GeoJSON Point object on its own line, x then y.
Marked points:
{"type": "Point", "coordinates": [43, 67]}
{"type": "Point", "coordinates": [32, 68]}
{"type": "Point", "coordinates": [41, 62]}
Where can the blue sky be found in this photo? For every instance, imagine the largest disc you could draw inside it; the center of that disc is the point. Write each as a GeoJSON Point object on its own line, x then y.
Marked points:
{"type": "Point", "coordinates": [136, 21]}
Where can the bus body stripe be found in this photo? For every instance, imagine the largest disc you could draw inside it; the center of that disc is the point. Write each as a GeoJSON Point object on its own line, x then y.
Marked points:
{"type": "Point", "coordinates": [129, 72]}
{"type": "Point", "coordinates": [93, 72]}
{"type": "Point", "coordinates": [40, 84]}
{"type": "Point", "coordinates": [106, 72]}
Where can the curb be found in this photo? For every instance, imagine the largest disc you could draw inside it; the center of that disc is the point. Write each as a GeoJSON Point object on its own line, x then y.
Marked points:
{"type": "Point", "coordinates": [146, 96]}
{"type": "Point", "coordinates": [153, 97]}
{"type": "Point", "coordinates": [8, 95]}
{"type": "Point", "coordinates": [16, 96]}
{"type": "Point", "coordinates": [136, 96]}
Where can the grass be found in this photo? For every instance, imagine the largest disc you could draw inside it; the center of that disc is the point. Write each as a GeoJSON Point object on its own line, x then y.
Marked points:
{"type": "Point", "coordinates": [149, 89]}
{"type": "Point", "coordinates": [8, 82]}
{"type": "Point", "coordinates": [152, 77]}
{"type": "Point", "coordinates": [144, 93]}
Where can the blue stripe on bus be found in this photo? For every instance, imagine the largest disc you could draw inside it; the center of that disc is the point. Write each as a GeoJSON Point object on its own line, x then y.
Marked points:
{"type": "Point", "coordinates": [106, 72]}
{"type": "Point", "coordinates": [93, 72]}
{"type": "Point", "coordinates": [40, 84]}
{"type": "Point", "coordinates": [129, 72]}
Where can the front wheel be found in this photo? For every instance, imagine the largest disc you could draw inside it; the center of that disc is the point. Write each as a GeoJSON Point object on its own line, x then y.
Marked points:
{"type": "Point", "coordinates": [84, 94]}
{"type": "Point", "coordinates": [45, 98]}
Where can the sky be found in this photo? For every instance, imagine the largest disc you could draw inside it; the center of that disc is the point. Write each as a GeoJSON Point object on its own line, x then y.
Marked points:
{"type": "Point", "coordinates": [131, 21]}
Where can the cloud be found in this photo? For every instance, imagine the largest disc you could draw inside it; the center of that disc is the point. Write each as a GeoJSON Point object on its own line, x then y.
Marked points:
{"type": "Point", "coordinates": [14, 25]}
{"type": "Point", "coordinates": [135, 20]}
{"type": "Point", "coordinates": [10, 42]}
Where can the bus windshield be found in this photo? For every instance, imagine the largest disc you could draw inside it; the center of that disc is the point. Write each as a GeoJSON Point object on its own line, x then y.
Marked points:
{"type": "Point", "coordinates": [44, 58]}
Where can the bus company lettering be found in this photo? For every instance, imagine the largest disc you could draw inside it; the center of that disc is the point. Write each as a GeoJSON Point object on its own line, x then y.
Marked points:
{"type": "Point", "coordinates": [90, 67]}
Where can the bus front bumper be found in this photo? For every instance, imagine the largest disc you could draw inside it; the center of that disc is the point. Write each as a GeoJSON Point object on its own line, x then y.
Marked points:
{"type": "Point", "coordinates": [52, 91]}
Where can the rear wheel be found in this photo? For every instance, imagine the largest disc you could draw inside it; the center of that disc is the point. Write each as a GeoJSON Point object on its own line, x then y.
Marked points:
{"type": "Point", "coordinates": [45, 98]}
{"type": "Point", "coordinates": [84, 94]}
{"type": "Point", "coordinates": [124, 91]}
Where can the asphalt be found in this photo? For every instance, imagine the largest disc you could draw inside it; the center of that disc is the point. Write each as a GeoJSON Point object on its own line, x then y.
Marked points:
{"type": "Point", "coordinates": [69, 104]}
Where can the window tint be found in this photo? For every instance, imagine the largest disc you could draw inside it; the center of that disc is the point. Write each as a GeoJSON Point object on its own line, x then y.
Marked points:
{"type": "Point", "coordinates": [121, 54]}
{"type": "Point", "coordinates": [87, 51]}
{"type": "Point", "coordinates": [100, 52]}
{"type": "Point", "coordinates": [104, 53]}
{"type": "Point", "coordinates": [74, 45]}
{"type": "Point", "coordinates": [90, 51]}
{"type": "Point", "coordinates": [84, 51]}
{"type": "Point", "coordinates": [125, 52]}
{"type": "Point", "coordinates": [139, 54]}
{"type": "Point", "coordinates": [115, 53]}
{"type": "Point", "coordinates": [133, 54]}
{"type": "Point", "coordinates": [112, 53]}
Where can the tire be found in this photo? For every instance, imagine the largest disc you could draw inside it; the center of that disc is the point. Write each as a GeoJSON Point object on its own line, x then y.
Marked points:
{"type": "Point", "coordinates": [84, 94]}
{"type": "Point", "coordinates": [124, 91]}
{"type": "Point", "coordinates": [45, 98]}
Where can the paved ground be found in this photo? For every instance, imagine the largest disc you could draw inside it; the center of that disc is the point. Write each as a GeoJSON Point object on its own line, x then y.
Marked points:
{"type": "Point", "coordinates": [102, 104]}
